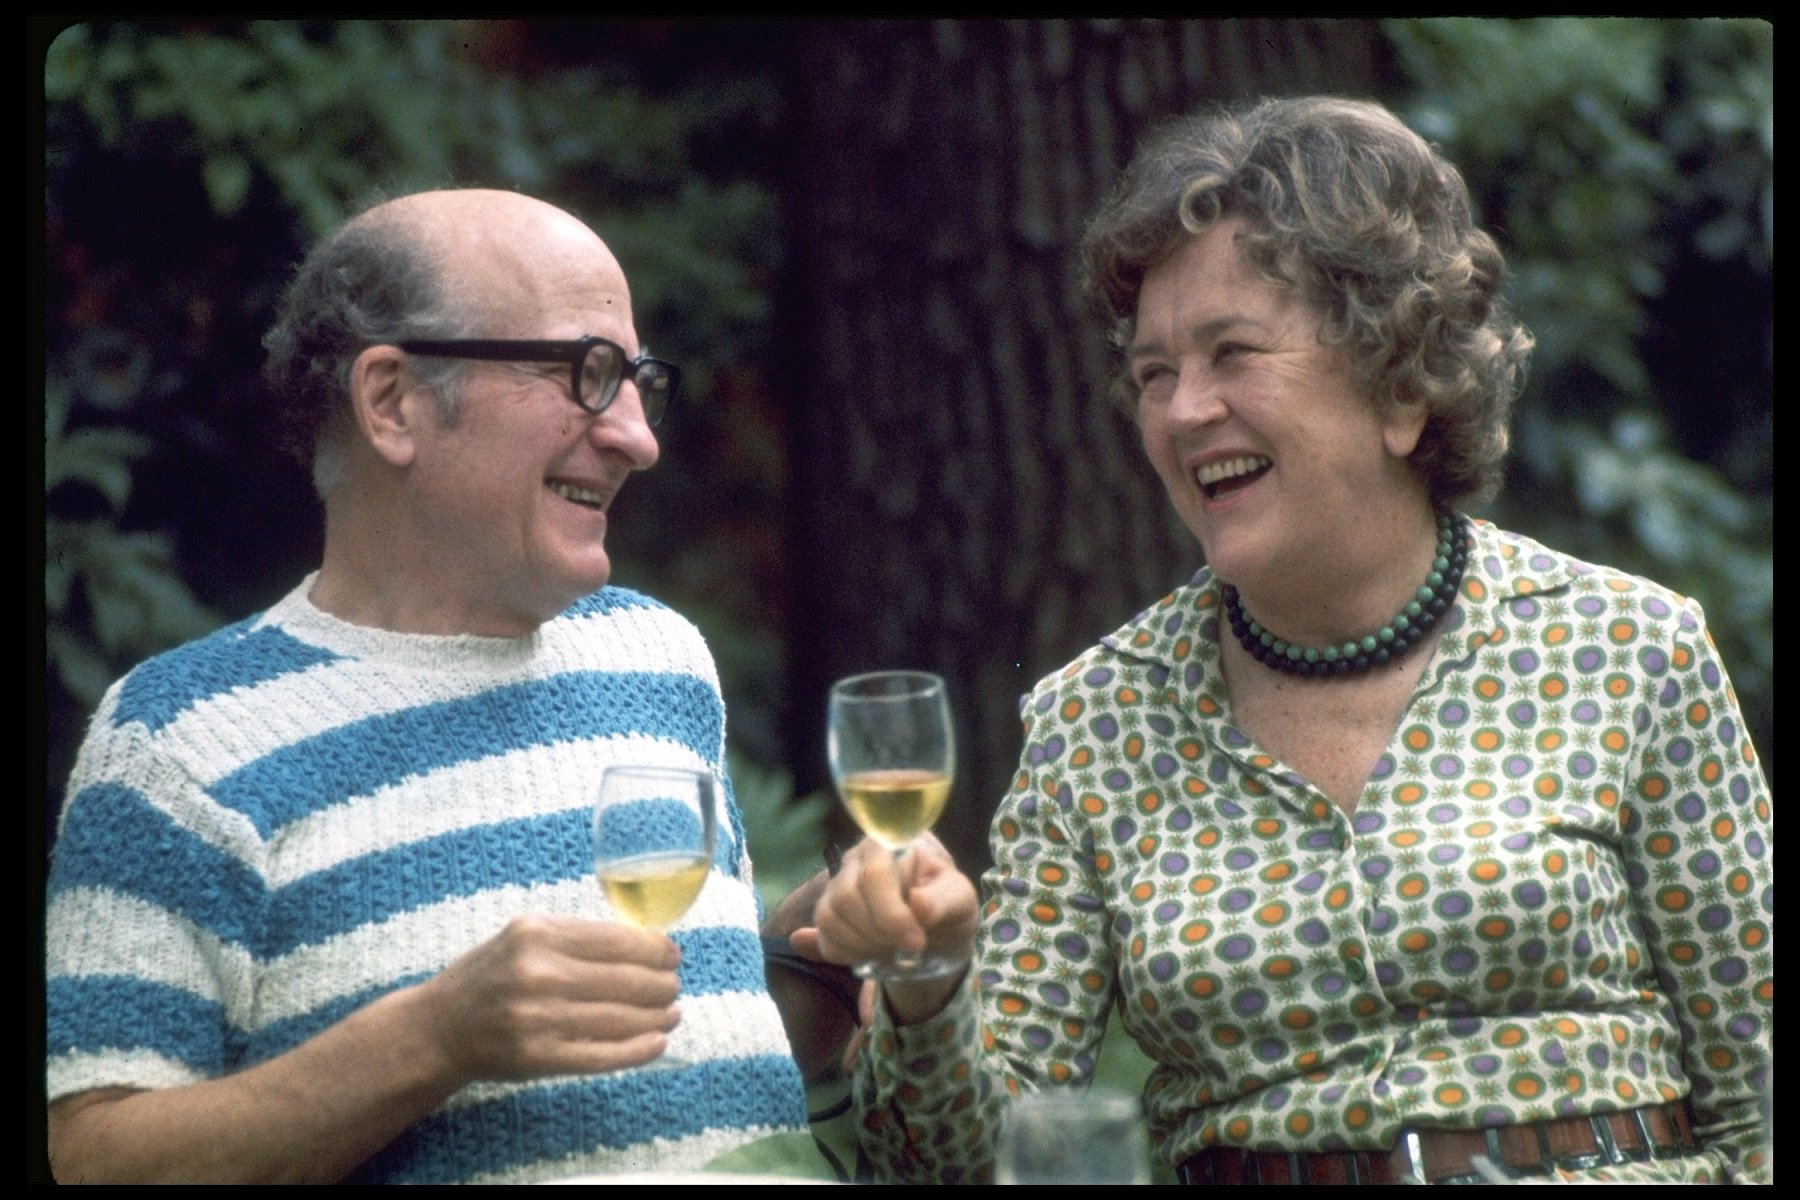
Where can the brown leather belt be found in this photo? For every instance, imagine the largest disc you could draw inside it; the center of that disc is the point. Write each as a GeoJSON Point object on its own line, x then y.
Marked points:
{"type": "Point", "coordinates": [1443, 1155]}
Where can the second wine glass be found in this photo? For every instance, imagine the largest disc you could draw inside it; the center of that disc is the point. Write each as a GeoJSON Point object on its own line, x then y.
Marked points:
{"type": "Point", "coordinates": [892, 755]}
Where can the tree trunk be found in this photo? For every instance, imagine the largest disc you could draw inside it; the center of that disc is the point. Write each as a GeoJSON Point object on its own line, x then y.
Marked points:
{"type": "Point", "coordinates": [968, 501]}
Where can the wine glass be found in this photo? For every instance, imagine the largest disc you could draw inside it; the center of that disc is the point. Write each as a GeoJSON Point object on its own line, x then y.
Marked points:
{"type": "Point", "coordinates": [653, 844]}
{"type": "Point", "coordinates": [1065, 1137]}
{"type": "Point", "coordinates": [892, 753]}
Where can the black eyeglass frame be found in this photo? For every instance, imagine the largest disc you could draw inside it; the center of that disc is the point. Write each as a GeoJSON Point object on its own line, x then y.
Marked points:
{"type": "Point", "coordinates": [572, 351]}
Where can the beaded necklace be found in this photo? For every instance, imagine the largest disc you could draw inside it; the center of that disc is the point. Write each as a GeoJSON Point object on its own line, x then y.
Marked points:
{"type": "Point", "coordinates": [1386, 644]}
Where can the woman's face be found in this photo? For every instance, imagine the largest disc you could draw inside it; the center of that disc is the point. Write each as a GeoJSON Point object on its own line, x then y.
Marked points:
{"type": "Point", "coordinates": [1271, 451]}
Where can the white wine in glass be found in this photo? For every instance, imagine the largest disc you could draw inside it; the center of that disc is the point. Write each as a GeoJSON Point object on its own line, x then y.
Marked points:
{"type": "Point", "coordinates": [654, 893]}
{"type": "Point", "coordinates": [653, 844]}
{"type": "Point", "coordinates": [895, 806]}
{"type": "Point", "coordinates": [893, 755]}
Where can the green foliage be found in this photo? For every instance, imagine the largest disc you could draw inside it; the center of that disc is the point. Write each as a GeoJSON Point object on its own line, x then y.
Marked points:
{"type": "Point", "coordinates": [1627, 168]}
{"type": "Point", "coordinates": [110, 597]}
{"type": "Point", "coordinates": [786, 832]}
{"type": "Point", "coordinates": [189, 165]}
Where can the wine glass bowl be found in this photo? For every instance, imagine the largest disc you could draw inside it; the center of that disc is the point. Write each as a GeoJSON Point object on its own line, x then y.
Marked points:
{"type": "Point", "coordinates": [892, 756]}
{"type": "Point", "coordinates": [653, 841]}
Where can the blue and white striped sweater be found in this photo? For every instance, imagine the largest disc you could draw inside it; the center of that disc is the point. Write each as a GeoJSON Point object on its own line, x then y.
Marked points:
{"type": "Point", "coordinates": [275, 825]}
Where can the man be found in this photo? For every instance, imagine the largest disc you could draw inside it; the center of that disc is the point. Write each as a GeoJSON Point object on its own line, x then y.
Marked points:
{"type": "Point", "coordinates": [322, 904]}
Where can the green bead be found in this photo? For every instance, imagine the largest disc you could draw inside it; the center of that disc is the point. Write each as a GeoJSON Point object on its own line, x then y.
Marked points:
{"type": "Point", "coordinates": [1331, 654]}
{"type": "Point", "coordinates": [1385, 633]}
{"type": "Point", "coordinates": [1266, 638]}
{"type": "Point", "coordinates": [1293, 653]}
{"type": "Point", "coordinates": [1440, 564]}
{"type": "Point", "coordinates": [1424, 595]}
{"type": "Point", "coordinates": [1350, 649]}
{"type": "Point", "coordinates": [1402, 623]}
{"type": "Point", "coordinates": [1414, 609]}
{"type": "Point", "coordinates": [1435, 580]}
{"type": "Point", "coordinates": [1312, 656]}
{"type": "Point", "coordinates": [1368, 644]}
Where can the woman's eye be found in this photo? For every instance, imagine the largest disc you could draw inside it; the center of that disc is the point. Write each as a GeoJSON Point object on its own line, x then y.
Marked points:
{"type": "Point", "coordinates": [1148, 377]}
{"type": "Point", "coordinates": [1229, 350]}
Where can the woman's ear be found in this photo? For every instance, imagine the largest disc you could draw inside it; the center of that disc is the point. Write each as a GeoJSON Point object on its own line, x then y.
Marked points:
{"type": "Point", "coordinates": [1402, 427]}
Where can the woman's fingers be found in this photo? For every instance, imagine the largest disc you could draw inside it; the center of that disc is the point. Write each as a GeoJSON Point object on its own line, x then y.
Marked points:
{"type": "Point", "coordinates": [863, 913]}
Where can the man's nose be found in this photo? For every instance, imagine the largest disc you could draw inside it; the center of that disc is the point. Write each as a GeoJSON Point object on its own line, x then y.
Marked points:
{"type": "Point", "coordinates": [622, 427]}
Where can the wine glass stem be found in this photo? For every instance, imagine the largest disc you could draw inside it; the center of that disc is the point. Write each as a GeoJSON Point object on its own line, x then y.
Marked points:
{"type": "Point", "coordinates": [903, 958]}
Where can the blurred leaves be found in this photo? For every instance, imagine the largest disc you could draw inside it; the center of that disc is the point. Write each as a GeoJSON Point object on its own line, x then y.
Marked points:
{"type": "Point", "coordinates": [787, 833]}
{"type": "Point", "coordinates": [190, 164]}
{"type": "Point", "coordinates": [1627, 169]}
{"type": "Point", "coordinates": [1625, 165]}
{"type": "Point", "coordinates": [110, 597]}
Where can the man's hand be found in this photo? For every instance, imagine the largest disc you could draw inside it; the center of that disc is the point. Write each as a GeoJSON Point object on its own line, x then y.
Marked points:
{"type": "Point", "coordinates": [876, 905]}
{"type": "Point", "coordinates": [555, 995]}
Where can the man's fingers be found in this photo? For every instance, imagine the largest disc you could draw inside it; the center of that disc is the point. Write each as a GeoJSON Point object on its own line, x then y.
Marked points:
{"type": "Point", "coordinates": [594, 941]}
{"type": "Point", "coordinates": [593, 1058]}
{"type": "Point", "coordinates": [617, 1022]}
{"type": "Point", "coordinates": [622, 984]}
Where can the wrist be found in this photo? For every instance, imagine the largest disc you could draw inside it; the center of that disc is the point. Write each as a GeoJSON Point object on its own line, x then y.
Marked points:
{"type": "Point", "coordinates": [428, 1058]}
{"type": "Point", "coordinates": [912, 1002]}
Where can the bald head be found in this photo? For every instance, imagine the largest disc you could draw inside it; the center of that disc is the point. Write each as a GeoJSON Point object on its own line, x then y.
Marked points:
{"type": "Point", "coordinates": [491, 248]}
{"type": "Point", "coordinates": [439, 264]}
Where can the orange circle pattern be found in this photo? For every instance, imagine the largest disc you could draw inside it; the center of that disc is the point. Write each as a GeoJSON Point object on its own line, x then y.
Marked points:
{"type": "Point", "coordinates": [1554, 896]}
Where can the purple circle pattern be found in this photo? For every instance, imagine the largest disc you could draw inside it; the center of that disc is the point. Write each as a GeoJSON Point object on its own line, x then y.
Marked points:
{"type": "Point", "coordinates": [1554, 895]}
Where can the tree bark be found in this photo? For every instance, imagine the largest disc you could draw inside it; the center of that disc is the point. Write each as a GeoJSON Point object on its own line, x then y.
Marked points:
{"type": "Point", "coordinates": [967, 499]}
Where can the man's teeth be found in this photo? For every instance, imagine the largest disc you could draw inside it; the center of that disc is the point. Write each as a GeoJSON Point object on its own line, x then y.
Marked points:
{"type": "Point", "coordinates": [1230, 468]}
{"type": "Point", "coordinates": [580, 495]}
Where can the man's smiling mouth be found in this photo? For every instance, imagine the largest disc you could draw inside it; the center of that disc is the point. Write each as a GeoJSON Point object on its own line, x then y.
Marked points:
{"type": "Point", "coordinates": [576, 494]}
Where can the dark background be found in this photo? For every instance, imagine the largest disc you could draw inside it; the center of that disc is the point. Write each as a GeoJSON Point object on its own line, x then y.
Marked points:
{"type": "Point", "coordinates": [857, 238]}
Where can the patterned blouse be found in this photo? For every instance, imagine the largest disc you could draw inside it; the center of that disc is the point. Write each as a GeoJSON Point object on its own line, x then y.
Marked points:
{"type": "Point", "coordinates": [1554, 898]}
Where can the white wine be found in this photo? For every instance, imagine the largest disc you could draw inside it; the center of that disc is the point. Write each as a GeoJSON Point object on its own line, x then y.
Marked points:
{"type": "Point", "coordinates": [652, 893]}
{"type": "Point", "coordinates": [893, 807]}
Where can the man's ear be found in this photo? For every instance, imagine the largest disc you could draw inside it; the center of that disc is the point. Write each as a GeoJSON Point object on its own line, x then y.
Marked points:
{"type": "Point", "coordinates": [386, 403]}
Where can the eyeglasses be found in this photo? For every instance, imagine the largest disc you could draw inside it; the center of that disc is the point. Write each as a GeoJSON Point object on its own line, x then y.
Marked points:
{"type": "Point", "coordinates": [596, 367]}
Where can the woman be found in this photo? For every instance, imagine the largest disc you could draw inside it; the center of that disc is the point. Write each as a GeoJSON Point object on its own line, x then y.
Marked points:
{"type": "Point", "coordinates": [1399, 841]}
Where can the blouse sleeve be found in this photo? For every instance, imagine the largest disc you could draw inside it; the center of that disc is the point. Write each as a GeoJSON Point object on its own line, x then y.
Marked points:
{"type": "Point", "coordinates": [1033, 1009]}
{"type": "Point", "coordinates": [1698, 833]}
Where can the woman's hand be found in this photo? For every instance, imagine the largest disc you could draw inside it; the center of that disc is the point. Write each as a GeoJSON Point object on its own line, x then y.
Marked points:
{"type": "Point", "coordinates": [876, 905]}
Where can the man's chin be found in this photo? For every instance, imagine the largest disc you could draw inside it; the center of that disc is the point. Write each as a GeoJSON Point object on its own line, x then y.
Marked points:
{"type": "Point", "coordinates": [584, 581]}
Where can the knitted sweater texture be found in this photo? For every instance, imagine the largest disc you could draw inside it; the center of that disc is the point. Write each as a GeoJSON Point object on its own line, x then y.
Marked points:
{"type": "Point", "coordinates": [273, 826]}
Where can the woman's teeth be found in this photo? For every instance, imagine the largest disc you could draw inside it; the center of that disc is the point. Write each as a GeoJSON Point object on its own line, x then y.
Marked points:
{"type": "Point", "coordinates": [1215, 477]}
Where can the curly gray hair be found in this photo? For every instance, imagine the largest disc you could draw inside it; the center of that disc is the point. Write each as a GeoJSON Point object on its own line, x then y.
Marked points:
{"type": "Point", "coordinates": [1342, 200]}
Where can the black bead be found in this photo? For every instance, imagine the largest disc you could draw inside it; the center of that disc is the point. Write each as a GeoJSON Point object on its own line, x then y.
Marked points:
{"type": "Point", "coordinates": [1454, 545]}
